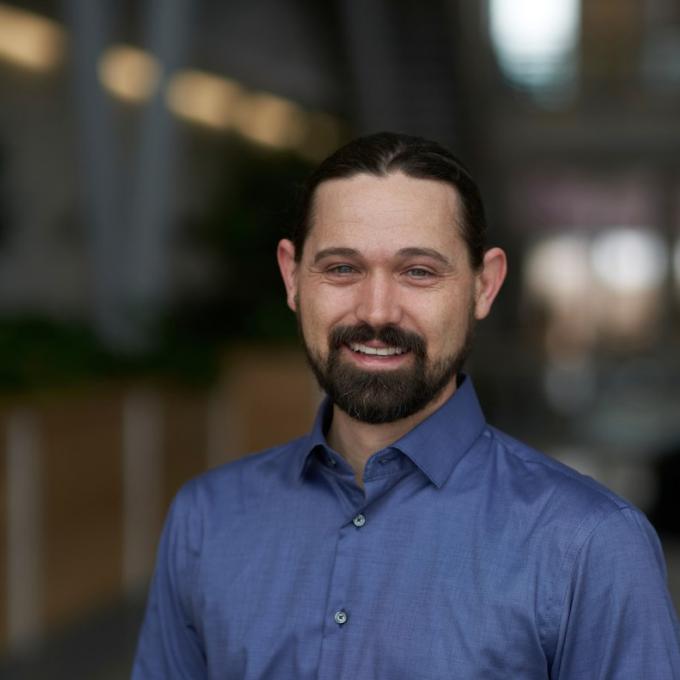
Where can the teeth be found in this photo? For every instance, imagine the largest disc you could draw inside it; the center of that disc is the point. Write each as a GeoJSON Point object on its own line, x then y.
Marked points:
{"type": "Point", "coordinates": [379, 351]}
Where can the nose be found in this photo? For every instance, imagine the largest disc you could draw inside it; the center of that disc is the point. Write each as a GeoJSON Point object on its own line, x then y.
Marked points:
{"type": "Point", "coordinates": [378, 301]}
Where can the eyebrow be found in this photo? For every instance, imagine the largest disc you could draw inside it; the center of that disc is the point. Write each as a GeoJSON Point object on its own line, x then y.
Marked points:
{"type": "Point", "coordinates": [424, 252]}
{"type": "Point", "coordinates": [403, 252]}
{"type": "Point", "coordinates": [335, 252]}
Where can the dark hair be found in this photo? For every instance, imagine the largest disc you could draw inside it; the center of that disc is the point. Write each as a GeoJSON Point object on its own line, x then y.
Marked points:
{"type": "Point", "coordinates": [386, 152]}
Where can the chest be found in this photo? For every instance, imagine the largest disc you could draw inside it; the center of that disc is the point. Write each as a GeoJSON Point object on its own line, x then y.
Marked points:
{"type": "Point", "coordinates": [387, 591]}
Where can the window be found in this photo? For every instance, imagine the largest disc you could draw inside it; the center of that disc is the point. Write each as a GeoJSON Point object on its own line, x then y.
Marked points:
{"type": "Point", "coordinates": [536, 44]}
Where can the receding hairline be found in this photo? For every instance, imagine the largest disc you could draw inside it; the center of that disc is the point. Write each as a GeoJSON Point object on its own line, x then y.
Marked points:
{"type": "Point", "coordinates": [385, 153]}
{"type": "Point", "coordinates": [459, 205]}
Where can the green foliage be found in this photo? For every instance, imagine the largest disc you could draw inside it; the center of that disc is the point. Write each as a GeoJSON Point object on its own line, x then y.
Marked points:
{"type": "Point", "coordinates": [253, 208]}
{"type": "Point", "coordinates": [36, 354]}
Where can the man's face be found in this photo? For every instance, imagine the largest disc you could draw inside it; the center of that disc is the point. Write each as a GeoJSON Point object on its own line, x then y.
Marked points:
{"type": "Point", "coordinates": [385, 295]}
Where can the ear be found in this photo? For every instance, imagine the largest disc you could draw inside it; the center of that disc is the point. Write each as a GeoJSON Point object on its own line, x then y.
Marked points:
{"type": "Point", "coordinates": [285, 254]}
{"type": "Point", "coordinates": [488, 281]}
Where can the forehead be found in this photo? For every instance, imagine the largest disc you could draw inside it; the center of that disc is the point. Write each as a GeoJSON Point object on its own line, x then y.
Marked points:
{"type": "Point", "coordinates": [394, 210]}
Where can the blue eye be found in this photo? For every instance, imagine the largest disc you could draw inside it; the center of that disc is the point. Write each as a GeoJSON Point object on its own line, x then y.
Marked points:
{"type": "Point", "coordinates": [419, 273]}
{"type": "Point", "coordinates": [341, 269]}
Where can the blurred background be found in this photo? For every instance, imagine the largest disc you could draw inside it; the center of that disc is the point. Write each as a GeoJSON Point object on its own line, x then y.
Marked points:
{"type": "Point", "coordinates": [150, 157]}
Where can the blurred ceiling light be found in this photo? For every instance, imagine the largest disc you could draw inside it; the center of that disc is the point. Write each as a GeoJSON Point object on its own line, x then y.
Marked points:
{"type": "Point", "coordinates": [222, 104]}
{"type": "Point", "coordinates": [29, 40]}
{"type": "Point", "coordinates": [204, 99]}
{"type": "Point", "coordinates": [271, 121]}
{"type": "Point", "coordinates": [535, 41]}
{"type": "Point", "coordinates": [629, 260]}
{"type": "Point", "coordinates": [129, 73]}
{"type": "Point", "coordinates": [557, 269]}
{"type": "Point", "coordinates": [323, 135]}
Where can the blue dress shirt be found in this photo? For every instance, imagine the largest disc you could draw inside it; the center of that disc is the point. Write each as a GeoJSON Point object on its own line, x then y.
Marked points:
{"type": "Point", "coordinates": [468, 556]}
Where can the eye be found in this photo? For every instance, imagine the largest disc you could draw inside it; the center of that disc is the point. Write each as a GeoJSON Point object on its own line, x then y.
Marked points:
{"type": "Point", "coordinates": [419, 273]}
{"type": "Point", "coordinates": [341, 270]}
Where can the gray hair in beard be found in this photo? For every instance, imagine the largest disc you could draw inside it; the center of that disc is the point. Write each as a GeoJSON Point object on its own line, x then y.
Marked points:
{"type": "Point", "coordinates": [384, 396]}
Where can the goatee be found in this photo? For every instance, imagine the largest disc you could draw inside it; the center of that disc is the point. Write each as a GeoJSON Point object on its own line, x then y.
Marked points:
{"type": "Point", "coordinates": [384, 395]}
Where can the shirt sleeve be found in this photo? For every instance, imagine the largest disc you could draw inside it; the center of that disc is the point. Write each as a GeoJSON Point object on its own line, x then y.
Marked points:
{"type": "Point", "coordinates": [169, 645]}
{"type": "Point", "coordinates": [618, 620]}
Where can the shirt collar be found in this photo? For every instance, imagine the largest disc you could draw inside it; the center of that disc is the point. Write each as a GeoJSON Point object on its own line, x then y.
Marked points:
{"type": "Point", "coordinates": [435, 445]}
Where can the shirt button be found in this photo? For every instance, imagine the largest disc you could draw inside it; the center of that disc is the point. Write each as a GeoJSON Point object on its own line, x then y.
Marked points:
{"type": "Point", "coordinates": [340, 617]}
{"type": "Point", "coordinates": [359, 520]}
{"type": "Point", "coordinates": [330, 461]}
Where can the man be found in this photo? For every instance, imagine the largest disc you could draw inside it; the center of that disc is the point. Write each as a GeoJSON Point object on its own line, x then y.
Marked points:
{"type": "Point", "coordinates": [403, 538]}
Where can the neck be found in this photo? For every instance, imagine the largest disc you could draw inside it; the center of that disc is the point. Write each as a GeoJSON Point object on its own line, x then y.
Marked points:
{"type": "Point", "coordinates": [356, 441]}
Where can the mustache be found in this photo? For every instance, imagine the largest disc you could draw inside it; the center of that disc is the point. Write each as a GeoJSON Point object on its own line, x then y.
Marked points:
{"type": "Point", "coordinates": [390, 335]}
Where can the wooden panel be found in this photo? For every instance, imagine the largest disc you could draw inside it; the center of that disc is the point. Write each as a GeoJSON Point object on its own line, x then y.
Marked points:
{"type": "Point", "coordinates": [268, 397]}
{"type": "Point", "coordinates": [271, 397]}
{"type": "Point", "coordinates": [23, 566]}
{"type": "Point", "coordinates": [3, 532]}
{"type": "Point", "coordinates": [185, 416]}
{"type": "Point", "coordinates": [83, 502]}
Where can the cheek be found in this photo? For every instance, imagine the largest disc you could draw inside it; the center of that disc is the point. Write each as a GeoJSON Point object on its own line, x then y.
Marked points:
{"type": "Point", "coordinates": [324, 306]}
{"type": "Point", "coordinates": [316, 318]}
{"type": "Point", "coordinates": [443, 322]}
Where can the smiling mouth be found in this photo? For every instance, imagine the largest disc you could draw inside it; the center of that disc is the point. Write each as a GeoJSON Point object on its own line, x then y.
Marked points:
{"type": "Point", "coordinates": [358, 348]}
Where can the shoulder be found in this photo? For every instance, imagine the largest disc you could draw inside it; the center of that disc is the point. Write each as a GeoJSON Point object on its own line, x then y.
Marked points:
{"type": "Point", "coordinates": [595, 553]}
{"type": "Point", "coordinates": [577, 513]}
{"type": "Point", "coordinates": [262, 466]}
{"type": "Point", "coordinates": [226, 489]}
{"type": "Point", "coordinates": [562, 486]}
{"type": "Point", "coordinates": [561, 509]}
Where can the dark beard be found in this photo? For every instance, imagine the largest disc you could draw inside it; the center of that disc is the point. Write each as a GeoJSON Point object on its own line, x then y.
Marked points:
{"type": "Point", "coordinates": [383, 396]}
